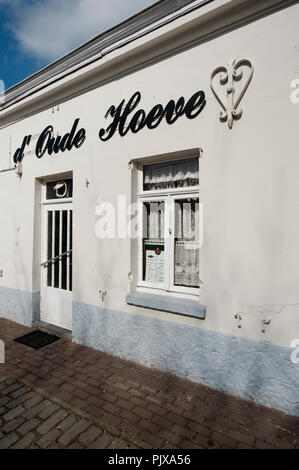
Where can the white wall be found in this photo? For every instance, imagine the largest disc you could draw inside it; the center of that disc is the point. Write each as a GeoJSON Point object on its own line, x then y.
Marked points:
{"type": "Point", "coordinates": [248, 183]}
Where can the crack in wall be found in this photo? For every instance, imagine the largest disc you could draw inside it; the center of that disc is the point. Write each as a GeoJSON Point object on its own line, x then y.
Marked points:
{"type": "Point", "coordinates": [245, 308]}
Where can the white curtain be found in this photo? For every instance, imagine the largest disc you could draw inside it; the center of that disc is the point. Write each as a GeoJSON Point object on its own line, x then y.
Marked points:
{"type": "Point", "coordinates": [186, 267]}
{"type": "Point", "coordinates": [154, 229]}
{"type": "Point", "coordinates": [173, 174]}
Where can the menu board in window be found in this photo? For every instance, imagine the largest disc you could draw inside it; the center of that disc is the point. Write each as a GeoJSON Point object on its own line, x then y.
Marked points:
{"type": "Point", "coordinates": [154, 261]}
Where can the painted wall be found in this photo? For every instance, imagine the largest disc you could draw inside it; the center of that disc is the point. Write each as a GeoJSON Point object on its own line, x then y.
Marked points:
{"type": "Point", "coordinates": [248, 186]}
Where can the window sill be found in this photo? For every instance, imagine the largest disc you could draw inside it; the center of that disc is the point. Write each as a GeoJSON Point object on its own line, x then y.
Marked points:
{"type": "Point", "coordinates": [177, 305]}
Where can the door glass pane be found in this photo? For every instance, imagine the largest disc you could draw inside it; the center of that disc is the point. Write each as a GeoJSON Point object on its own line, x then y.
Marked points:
{"type": "Point", "coordinates": [59, 242]}
{"type": "Point", "coordinates": [64, 250]}
{"type": "Point", "coordinates": [173, 174]}
{"type": "Point", "coordinates": [71, 254]}
{"type": "Point", "coordinates": [56, 249]}
{"type": "Point", "coordinates": [49, 248]}
{"type": "Point", "coordinates": [60, 189]}
{"type": "Point", "coordinates": [153, 242]}
{"type": "Point", "coordinates": [186, 243]}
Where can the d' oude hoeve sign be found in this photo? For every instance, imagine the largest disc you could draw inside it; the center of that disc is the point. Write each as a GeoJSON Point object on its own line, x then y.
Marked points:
{"type": "Point", "coordinates": [125, 118]}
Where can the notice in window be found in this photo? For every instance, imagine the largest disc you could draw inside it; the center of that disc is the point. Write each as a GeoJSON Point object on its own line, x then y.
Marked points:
{"type": "Point", "coordinates": [154, 263]}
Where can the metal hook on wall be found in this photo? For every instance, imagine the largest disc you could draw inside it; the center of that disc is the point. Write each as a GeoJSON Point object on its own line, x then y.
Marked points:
{"type": "Point", "coordinates": [265, 323]}
{"type": "Point", "coordinates": [239, 318]}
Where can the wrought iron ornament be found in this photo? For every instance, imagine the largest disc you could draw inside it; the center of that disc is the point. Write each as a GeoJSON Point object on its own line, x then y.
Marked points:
{"type": "Point", "coordinates": [227, 77]}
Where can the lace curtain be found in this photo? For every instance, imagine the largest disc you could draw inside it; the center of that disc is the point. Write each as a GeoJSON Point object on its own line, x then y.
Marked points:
{"type": "Point", "coordinates": [154, 220]}
{"type": "Point", "coordinates": [173, 174]}
{"type": "Point", "coordinates": [186, 265]}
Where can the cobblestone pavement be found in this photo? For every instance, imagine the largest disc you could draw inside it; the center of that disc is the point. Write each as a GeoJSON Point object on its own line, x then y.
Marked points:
{"type": "Point", "coordinates": [30, 420]}
{"type": "Point", "coordinates": [65, 395]}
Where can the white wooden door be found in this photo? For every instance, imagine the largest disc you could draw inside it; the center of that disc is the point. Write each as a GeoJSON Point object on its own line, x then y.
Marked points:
{"type": "Point", "coordinates": [56, 291]}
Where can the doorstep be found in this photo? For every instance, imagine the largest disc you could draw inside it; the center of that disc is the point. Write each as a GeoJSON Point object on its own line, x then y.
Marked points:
{"type": "Point", "coordinates": [49, 328]}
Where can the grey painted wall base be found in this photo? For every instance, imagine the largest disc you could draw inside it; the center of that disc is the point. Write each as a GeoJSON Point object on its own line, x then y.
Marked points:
{"type": "Point", "coordinates": [19, 306]}
{"type": "Point", "coordinates": [254, 370]}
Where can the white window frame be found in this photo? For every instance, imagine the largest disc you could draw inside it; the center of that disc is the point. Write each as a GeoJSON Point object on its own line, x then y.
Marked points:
{"type": "Point", "coordinates": [168, 196]}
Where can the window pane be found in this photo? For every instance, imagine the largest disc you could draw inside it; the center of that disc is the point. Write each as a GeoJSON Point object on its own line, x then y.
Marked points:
{"type": "Point", "coordinates": [71, 254]}
{"type": "Point", "coordinates": [153, 242]}
{"type": "Point", "coordinates": [63, 250]}
{"type": "Point", "coordinates": [56, 249]}
{"type": "Point", "coordinates": [174, 174]}
{"type": "Point", "coordinates": [60, 189]}
{"type": "Point", "coordinates": [49, 266]}
{"type": "Point", "coordinates": [186, 243]}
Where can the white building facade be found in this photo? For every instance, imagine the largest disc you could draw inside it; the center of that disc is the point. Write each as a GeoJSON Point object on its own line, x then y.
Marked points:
{"type": "Point", "coordinates": [149, 195]}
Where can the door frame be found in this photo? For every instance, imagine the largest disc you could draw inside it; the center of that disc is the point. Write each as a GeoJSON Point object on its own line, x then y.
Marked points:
{"type": "Point", "coordinates": [45, 205]}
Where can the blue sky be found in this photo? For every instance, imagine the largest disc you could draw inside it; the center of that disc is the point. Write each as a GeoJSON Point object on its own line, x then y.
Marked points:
{"type": "Point", "coordinates": [34, 33]}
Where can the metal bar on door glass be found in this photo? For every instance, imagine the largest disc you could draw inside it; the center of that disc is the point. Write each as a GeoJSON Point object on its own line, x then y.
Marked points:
{"type": "Point", "coordinates": [51, 260]}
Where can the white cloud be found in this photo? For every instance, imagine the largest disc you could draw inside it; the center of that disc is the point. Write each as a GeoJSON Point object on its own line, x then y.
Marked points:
{"type": "Point", "coordinates": [48, 29]}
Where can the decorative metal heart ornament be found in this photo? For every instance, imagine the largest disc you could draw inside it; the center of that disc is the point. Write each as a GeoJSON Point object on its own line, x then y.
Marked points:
{"type": "Point", "coordinates": [227, 77]}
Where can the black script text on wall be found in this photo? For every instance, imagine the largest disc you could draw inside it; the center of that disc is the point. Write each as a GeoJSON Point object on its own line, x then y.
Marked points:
{"type": "Point", "coordinates": [172, 111]}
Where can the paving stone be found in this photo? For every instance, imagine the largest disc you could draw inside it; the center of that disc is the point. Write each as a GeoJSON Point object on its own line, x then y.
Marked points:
{"type": "Point", "coordinates": [153, 440]}
{"type": "Point", "coordinates": [10, 381]}
{"type": "Point", "coordinates": [3, 401]}
{"type": "Point", "coordinates": [52, 421]}
{"type": "Point", "coordinates": [239, 436]}
{"type": "Point", "coordinates": [118, 444]}
{"type": "Point", "coordinates": [262, 445]}
{"type": "Point", "coordinates": [102, 442]}
{"type": "Point", "coordinates": [11, 388]}
{"type": "Point", "coordinates": [37, 409]}
{"type": "Point", "coordinates": [18, 401]}
{"type": "Point", "coordinates": [48, 411]}
{"type": "Point", "coordinates": [169, 437]}
{"type": "Point", "coordinates": [12, 425]}
{"type": "Point", "coordinates": [76, 445]}
{"type": "Point", "coordinates": [25, 442]}
{"type": "Point", "coordinates": [19, 392]}
{"type": "Point", "coordinates": [8, 440]}
{"type": "Point", "coordinates": [33, 401]}
{"type": "Point", "coordinates": [89, 436]}
{"type": "Point", "coordinates": [224, 440]}
{"type": "Point", "coordinates": [73, 432]}
{"type": "Point", "coordinates": [67, 423]}
{"type": "Point", "coordinates": [13, 413]}
{"type": "Point", "coordinates": [28, 426]}
{"type": "Point", "coordinates": [48, 438]}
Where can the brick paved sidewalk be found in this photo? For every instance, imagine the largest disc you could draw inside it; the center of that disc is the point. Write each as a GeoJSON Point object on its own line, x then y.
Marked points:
{"type": "Point", "coordinates": [67, 395]}
{"type": "Point", "coordinates": [29, 420]}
